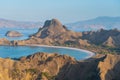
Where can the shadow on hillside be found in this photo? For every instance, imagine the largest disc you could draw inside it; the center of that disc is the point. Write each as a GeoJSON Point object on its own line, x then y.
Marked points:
{"type": "Point", "coordinates": [81, 70]}
{"type": "Point", "coordinates": [113, 74]}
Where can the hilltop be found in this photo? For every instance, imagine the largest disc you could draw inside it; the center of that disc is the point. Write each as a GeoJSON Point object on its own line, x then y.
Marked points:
{"type": "Point", "coordinates": [43, 66]}
{"type": "Point", "coordinates": [54, 33]}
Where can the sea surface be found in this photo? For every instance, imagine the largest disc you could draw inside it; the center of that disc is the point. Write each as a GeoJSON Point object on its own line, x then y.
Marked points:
{"type": "Point", "coordinates": [19, 51]}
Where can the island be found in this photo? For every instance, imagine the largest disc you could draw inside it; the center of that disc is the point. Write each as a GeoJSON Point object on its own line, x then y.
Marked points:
{"type": "Point", "coordinates": [42, 66]}
{"type": "Point", "coordinates": [13, 34]}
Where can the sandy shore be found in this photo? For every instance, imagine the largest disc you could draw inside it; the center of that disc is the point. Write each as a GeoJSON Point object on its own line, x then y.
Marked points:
{"type": "Point", "coordinates": [90, 54]}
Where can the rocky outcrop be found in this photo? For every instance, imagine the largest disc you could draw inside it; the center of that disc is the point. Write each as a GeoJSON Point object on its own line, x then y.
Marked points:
{"type": "Point", "coordinates": [103, 37]}
{"type": "Point", "coordinates": [109, 67]}
{"type": "Point", "coordinates": [51, 28]}
{"type": "Point", "coordinates": [39, 66]}
{"type": "Point", "coordinates": [81, 70]}
{"type": "Point", "coordinates": [43, 66]}
{"type": "Point", "coordinates": [13, 34]}
{"type": "Point", "coordinates": [54, 33]}
{"type": "Point", "coordinates": [84, 42]}
{"type": "Point", "coordinates": [4, 41]}
{"type": "Point", "coordinates": [6, 68]}
{"type": "Point", "coordinates": [109, 42]}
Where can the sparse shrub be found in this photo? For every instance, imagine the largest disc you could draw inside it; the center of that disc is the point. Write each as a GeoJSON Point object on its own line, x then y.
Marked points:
{"type": "Point", "coordinates": [47, 76]}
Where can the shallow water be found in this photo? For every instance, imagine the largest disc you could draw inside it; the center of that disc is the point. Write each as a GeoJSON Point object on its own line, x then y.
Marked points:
{"type": "Point", "coordinates": [19, 51]}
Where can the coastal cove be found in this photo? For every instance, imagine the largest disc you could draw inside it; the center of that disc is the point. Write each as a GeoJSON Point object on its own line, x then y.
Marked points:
{"type": "Point", "coordinates": [55, 53]}
{"type": "Point", "coordinates": [20, 51]}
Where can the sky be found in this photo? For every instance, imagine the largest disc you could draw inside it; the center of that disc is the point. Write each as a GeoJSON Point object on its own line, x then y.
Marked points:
{"type": "Point", "coordinates": [66, 11]}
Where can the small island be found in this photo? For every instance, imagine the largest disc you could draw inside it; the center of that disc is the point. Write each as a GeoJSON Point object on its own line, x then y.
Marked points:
{"type": "Point", "coordinates": [13, 34]}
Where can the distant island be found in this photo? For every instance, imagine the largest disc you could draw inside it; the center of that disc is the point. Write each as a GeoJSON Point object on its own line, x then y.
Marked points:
{"type": "Point", "coordinates": [97, 23]}
{"type": "Point", "coordinates": [13, 34]}
{"type": "Point", "coordinates": [41, 66]}
{"type": "Point", "coordinates": [94, 24]}
{"type": "Point", "coordinates": [4, 23]}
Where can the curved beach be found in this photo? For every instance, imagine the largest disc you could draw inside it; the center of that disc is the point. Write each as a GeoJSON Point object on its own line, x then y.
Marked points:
{"type": "Point", "coordinates": [90, 54]}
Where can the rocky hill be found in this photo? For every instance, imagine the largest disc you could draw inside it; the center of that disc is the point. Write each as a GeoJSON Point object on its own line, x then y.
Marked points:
{"type": "Point", "coordinates": [13, 34]}
{"type": "Point", "coordinates": [103, 37]}
{"type": "Point", "coordinates": [39, 66]}
{"type": "Point", "coordinates": [4, 41]}
{"type": "Point", "coordinates": [43, 66]}
{"type": "Point", "coordinates": [54, 33]}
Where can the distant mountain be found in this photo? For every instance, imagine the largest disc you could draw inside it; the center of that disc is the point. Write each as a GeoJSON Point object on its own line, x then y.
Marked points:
{"type": "Point", "coordinates": [87, 25]}
{"type": "Point", "coordinates": [18, 24]}
{"type": "Point", "coordinates": [95, 24]}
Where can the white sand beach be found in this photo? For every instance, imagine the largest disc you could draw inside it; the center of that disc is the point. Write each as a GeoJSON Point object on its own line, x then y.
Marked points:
{"type": "Point", "coordinates": [90, 54]}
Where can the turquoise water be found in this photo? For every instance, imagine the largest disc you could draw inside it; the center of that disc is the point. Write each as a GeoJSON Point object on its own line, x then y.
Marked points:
{"type": "Point", "coordinates": [19, 51]}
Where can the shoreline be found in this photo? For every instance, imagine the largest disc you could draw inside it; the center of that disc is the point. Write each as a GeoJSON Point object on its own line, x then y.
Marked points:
{"type": "Point", "coordinates": [90, 54]}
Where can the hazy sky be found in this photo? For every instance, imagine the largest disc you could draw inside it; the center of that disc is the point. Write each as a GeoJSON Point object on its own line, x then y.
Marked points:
{"type": "Point", "coordinates": [65, 10]}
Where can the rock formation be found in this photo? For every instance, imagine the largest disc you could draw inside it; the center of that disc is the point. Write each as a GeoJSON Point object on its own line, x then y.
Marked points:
{"type": "Point", "coordinates": [43, 66]}
{"type": "Point", "coordinates": [39, 66]}
{"type": "Point", "coordinates": [109, 42]}
{"type": "Point", "coordinates": [4, 41]}
{"type": "Point", "coordinates": [13, 34]}
{"type": "Point", "coordinates": [51, 28]}
{"type": "Point", "coordinates": [54, 33]}
{"type": "Point", "coordinates": [103, 37]}
{"type": "Point", "coordinates": [109, 68]}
